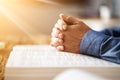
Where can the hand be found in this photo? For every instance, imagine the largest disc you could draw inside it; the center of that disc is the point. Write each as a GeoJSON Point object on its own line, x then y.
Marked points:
{"type": "Point", "coordinates": [67, 34]}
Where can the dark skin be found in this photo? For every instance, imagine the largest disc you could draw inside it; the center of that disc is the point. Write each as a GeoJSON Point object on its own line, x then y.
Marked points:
{"type": "Point", "coordinates": [67, 34]}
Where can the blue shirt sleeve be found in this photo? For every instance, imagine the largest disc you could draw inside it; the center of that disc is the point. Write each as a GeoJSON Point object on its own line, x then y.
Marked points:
{"type": "Point", "coordinates": [104, 44]}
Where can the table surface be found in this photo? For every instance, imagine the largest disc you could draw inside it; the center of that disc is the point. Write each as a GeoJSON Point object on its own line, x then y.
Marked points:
{"type": "Point", "coordinates": [109, 73]}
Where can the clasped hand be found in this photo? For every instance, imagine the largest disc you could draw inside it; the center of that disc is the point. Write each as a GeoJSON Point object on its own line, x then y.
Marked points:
{"type": "Point", "coordinates": [68, 33]}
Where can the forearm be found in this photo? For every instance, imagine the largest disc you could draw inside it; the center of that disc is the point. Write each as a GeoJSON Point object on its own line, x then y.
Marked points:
{"type": "Point", "coordinates": [91, 43]}
{"type": "Point", "coordinates": [100, 45]}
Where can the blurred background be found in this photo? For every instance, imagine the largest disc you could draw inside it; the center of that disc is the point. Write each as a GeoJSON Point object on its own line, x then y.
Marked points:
{"type": "Point", "coordinates": [31, 21]}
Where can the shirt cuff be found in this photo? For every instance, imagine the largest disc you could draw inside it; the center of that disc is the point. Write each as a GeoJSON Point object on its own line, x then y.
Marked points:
{"type": "Point", "coordinates": [91, 43]}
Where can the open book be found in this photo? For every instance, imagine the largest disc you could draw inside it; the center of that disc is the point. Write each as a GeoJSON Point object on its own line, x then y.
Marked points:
{"type": "Point", "coordinates": [47, 56]}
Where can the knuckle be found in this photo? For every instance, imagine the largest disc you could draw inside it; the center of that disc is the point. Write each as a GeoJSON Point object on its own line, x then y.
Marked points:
{"type": "Point", "coordinates": [68, 18]}
{"type": "Point", "coordinates": [59, 21]}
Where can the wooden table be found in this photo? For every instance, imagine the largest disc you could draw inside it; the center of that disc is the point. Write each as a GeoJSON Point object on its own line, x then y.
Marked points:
{"type": "Point", "coordinates": [109, 73]}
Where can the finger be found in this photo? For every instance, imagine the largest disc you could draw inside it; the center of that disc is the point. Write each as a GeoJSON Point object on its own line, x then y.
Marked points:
{"type": "Point", "coordinates": [61, 25]}
{"type": "Point", "coordinates": [58, 26]}
{"type": "Point", "coordinates": [55, 30]}
{"type": "Point", "coordinates": [65, 27]}
{"type": "Point", "coordinates": [60, 48]}
{"type": "Point", "coordinates": [56, 42]}
{"type": "Point", "coordinates": [62, 17]}
{"type": "Point", "coordinates": [60, 36]}
{"type": "Point", "coordinates": [53, 44]}
{"type": "Point", "coordinates": [54, 35]}
{"type": "Point", "coordinates": [59, 22]}
{"type": "Point", "coordinates": [69, 19]}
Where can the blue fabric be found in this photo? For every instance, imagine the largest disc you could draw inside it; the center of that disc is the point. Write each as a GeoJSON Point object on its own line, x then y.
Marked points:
{"type": "Point", "coordinates": [104, 44]}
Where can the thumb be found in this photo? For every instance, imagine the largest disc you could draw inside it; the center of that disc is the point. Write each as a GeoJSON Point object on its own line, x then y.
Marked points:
{"type": "Point", "coordinates": [68, 19]}
{"type": "Point", "coordinates": [63, 18]}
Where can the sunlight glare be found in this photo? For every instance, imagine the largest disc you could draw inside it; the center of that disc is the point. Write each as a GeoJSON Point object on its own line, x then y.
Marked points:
{"type": "Point", "coordinates": [15, 19]}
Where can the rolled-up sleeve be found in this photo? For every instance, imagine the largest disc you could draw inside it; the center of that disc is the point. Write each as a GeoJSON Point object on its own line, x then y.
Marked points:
{"type": "Point", "coordinates": [104, 44]}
